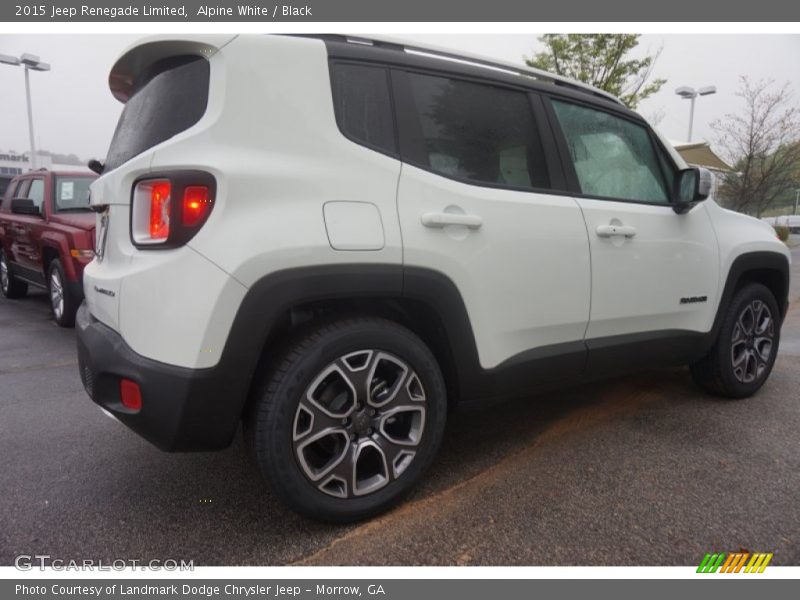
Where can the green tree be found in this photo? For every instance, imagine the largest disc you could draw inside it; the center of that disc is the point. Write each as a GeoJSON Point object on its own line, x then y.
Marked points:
{"type": "Point", "coordinates": [601, 60]}
{"type": "Point", "coordinates": [762, 142]}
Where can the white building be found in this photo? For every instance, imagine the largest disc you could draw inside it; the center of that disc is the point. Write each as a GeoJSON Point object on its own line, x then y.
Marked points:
{"type": "Point", "coordinates": [14, 163]}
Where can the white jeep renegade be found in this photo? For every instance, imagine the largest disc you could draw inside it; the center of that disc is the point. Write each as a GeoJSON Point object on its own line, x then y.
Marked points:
{"type": "Point", "coordinates": [335, 241]}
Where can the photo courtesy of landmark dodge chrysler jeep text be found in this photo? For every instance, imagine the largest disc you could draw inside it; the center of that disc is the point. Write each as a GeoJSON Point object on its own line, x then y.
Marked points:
{"type": "Point", "coordinates": [334, 242]}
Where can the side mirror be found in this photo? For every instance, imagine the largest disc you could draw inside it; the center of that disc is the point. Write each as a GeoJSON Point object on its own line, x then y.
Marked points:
{"type": "Point", "coordinates": [96, 166]}
{"type": "Point", "coordinates": [692, 186]}
{"type": "Point", "coordinates": [25, 206]}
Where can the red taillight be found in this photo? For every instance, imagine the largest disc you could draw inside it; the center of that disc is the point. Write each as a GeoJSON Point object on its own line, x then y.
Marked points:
{"type": "Point", "coordinates": [130, 394]}
{"type": "Point", "coordinates": [169, 209]}
{"type": "Point", "coordinates": [159, 210]}
{"type": "Point", "coordinates": [196, 204]}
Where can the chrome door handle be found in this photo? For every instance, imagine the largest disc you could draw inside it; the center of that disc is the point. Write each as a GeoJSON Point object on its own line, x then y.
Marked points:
{"type": "Point", "coordinates": [440, 220]}
{"type": "Point", "coordinates": [605, 231]}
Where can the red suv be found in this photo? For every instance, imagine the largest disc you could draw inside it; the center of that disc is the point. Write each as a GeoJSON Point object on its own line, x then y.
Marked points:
{"type": "Point", "coordinates": [47, 237]}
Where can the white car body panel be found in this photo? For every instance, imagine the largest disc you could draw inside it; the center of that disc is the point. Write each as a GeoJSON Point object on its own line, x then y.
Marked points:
{"type": "Point", "coordinates": [519, 293]}
{"type": "Point", "coordinates": [534, 274]}
{"type": "Point", "coordinates": [638, 282]}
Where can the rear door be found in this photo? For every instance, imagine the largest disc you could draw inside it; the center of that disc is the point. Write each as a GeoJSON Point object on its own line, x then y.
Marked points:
{"type": "Point", "coordinates": [25, 247]}
{"type": "Point", "coordinates": [654, 272]}
{"type": "Point", "coordinates": [16, 226]}
{"type": "Point", "coordinates": [476, 204]}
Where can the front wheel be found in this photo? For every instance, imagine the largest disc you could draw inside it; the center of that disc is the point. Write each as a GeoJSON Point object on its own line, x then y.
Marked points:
{"type": "Point", "coordinates": [743, 356]}
{"type": "Point", "coordinates": [350, 419]}
{"type": "Point", "coordinates": [62, 303]}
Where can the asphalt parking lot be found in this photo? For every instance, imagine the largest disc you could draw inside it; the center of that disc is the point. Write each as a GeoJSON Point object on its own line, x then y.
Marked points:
{"type": "Point", "coordinates": [644, 470]}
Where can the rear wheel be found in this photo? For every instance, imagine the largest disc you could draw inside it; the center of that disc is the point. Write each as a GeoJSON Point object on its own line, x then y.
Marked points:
{"type": "Point", "coordinates": [62, 303]}
{"type": "Point", "coordinates": [350, 419]}
{"type": "Point", "coordinates": [10, 285]}
{"type": "Point", "coordinates": [744, 353]}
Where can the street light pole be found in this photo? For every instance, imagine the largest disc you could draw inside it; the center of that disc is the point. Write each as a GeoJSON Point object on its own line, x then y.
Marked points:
{"type": "Point", "coordinates": [689, 93]}
{"type": "Point", "coordinates": [796, 200]}
{"type": "Point", "coordinates": [30, 62]}
{"type": "Point", "coordinates": [691, 115]}
{"type": "Point", "coordinates": [30, 119]}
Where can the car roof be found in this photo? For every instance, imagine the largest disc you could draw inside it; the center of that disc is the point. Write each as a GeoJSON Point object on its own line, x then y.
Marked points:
{"type": "Point", "coordinates": [398, 51]}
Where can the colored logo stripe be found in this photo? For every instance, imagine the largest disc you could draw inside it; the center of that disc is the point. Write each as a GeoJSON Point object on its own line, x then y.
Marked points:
{"type": "Point", "coordinates": [711, 563]}
{"type": "Point", "coordinates": [734, 562]}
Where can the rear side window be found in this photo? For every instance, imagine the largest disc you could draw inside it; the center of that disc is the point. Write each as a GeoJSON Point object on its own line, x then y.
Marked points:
{"type": "Point", "coordinates": [169, 98]}
{"type": "Point", "coordinates": [362, 105]}
{"type": "Point", "coordinates": [475, 132]}
{"type": "Point", "coordinates": [613, 157]}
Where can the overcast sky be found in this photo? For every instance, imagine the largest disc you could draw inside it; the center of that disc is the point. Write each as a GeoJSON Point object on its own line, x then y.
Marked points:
{"type": "Point", "coordinates": [75, 113]}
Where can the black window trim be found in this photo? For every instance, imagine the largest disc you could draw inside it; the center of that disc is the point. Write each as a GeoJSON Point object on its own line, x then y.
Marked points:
{"type": "Point", "coordinates": [361, 63]}
{"type": "Point", "coordinates": [569, 168]}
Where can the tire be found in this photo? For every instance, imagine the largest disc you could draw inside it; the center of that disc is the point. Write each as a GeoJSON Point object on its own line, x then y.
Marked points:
{"type": "Point", "coordinates": [63, 305]}
{"type": "Point", "coordinates": [379, 393]}
{"type": "Point", "coordinates": [10, 286]}
{"type": "Point", "coordinates": [743, 356]}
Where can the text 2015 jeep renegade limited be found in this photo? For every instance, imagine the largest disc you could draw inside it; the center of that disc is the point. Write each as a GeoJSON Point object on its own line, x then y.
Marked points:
{"type": "Point", "coordinates": [335, 242]}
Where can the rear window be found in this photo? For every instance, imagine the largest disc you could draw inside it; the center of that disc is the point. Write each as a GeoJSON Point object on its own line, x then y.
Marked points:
{"type": "Point", "coordinates": [167, 99]}
{"type": "Point", "coordinates": [72, 193]}
{"type": "Point", "coordinates": [362, 105]}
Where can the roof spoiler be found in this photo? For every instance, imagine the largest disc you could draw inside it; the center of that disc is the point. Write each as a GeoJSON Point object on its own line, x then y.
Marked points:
{"type": "Point", "coordinates": [142, 55]}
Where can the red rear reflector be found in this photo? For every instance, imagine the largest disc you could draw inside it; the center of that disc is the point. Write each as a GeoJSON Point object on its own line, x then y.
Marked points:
{"type": "Point", "coordinates": [130, 394]}
{"type": "Point", "coordinates": [196, 204]}
{"type": "Point", "coordinates": [159, 210]}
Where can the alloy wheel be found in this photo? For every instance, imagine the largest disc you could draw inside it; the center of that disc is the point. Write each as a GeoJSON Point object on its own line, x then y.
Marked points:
{"type": "Point", "coordinates": [359, 423]}
{"type": "Point", "coordinates": [4, 281]}
{"type": "Point", "coordinates": [752, 341]}
{"type": "Point", "coordinates": [56, 294]}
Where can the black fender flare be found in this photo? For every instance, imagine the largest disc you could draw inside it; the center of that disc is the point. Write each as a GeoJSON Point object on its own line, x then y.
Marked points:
{"type": "Point", "coordinates": [754, 261]}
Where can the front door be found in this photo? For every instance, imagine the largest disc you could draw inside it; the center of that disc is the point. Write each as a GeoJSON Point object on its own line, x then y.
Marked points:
{"type": "Point", "coordinates": [654, 272]}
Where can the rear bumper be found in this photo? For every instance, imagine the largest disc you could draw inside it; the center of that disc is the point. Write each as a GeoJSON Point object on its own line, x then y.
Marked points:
{"type": "Point", "coordinates": [182, 409]}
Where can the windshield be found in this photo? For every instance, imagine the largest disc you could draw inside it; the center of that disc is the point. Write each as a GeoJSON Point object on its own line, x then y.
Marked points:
{"type": "Point", "coordinates": [72, 193]}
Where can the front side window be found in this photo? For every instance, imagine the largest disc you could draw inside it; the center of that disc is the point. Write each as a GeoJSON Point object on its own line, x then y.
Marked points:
{"type": "Point", "coordinates": [613, 157]}
{"type": "Point", "coordinates": [363, 106]}
{"type": "Point", "coordinates": [36, 193]}
{"type": "Point", "coordinates": [475, 132]}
